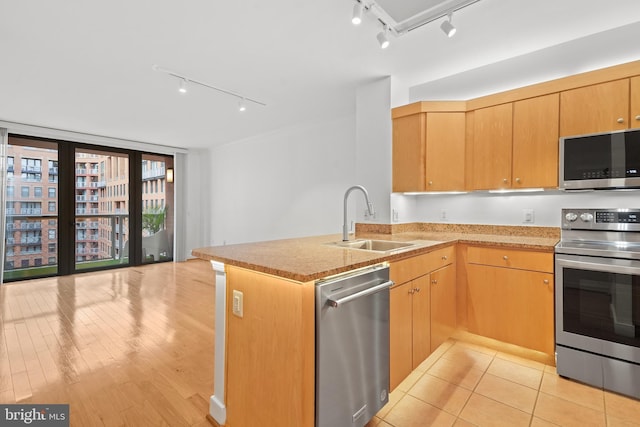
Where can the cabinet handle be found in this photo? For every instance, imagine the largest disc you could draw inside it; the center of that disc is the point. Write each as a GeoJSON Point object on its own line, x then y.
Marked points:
{"type": "Point", "coordinates": [430, 182]}
{"type": "Point", "coordinates": [638, 117]}
{"type": "Point", "coordinates": [506, 258]}
{"type": "Point", "coordinates": [434, 281]}
{"type": "Point", "coordinates": [411, 291]}
{"type": "Point", "coordinates": [417, 289]}
{"type": "Point", "coordinates": [505, 180]}
{"type": "Point", "coordinates": [545, 281]}
{"type": "Point", "coordinates": [444, 257]}
{"type": "Point", "coordinates": [518, 180]}
{"type": "Point", "coordinates": [620, 120]}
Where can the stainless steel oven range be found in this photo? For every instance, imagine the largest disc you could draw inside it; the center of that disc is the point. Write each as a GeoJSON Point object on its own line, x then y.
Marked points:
{"type": "Point", "coordinates": [598, 298]}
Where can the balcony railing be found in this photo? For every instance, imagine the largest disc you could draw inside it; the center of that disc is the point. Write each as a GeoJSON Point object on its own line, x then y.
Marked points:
{"type": "Point", "coordinates": [31, 169]}
{"type": "Point", "coordinates": [153, 173]}
{"type": "Point", "coordinates": [30, 240]}
{"type": "Point", "coordinates": [31, 211]}
{"type": "Point", "coordinates": [83, 211]}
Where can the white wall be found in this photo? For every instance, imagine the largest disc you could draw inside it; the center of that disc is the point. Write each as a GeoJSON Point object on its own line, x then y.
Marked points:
{"type": "Point", "coordinates": [194, 208]}
{"type": "Point", "coordinates": [289, 183]}
{"type": "Point", "coordinates": [506, 209]}
{"type": "Point", "coordinates": [373, 147]}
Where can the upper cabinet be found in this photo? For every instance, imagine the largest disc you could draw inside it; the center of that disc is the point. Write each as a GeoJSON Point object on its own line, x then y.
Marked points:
{"type": "Point", "coordinates": [429, 147]}
{"type": "Point", "coordinates": [535, 142]}
{"type": "Point", "coordinates": [596, 108]}
{"type": "Point", "coordinates": [515, 145]}
{"type": "Point", "coordinates": [508, 140]}
{"type": "Point", "coordinates": [635, 102]}
{"type": "Point", "coordinates": [491, 147]}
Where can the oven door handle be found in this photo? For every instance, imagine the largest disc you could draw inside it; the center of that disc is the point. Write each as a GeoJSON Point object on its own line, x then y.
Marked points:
{"type": "Point", "coordinates": [611, 265]}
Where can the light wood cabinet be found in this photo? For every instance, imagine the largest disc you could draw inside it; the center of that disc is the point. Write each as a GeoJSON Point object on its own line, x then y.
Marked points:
{"type": "Point", "coordinates": [413, 312]}
{"type": "Point", "coordinates": [596, 108]}
{"type": "Point", "coordinates": [634, 109]}
{"type": "Point", "coordinates": [443, 305]}
{"type": "Point", "coordinates": [428, 148]}
{"type": "Point", "coordinates": [491, 147]}
{"type": "Point", "coordinates": [515, 145]}
{"type": "Point", "coordinates": [445, 148]}
{"type": "Point", "coordinates": [409, 153]}
{"type": "Point", "coordinates": [535, 142]}
{"type": "Point", "coordinates": [410, 335]}
{"type": "Point", "coordinates": [510, 296]}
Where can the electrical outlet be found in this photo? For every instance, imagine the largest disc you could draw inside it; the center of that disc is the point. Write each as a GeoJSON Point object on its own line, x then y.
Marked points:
{"type": "Point", "coordinates": [528, 216]}
{"type": "Point", "coordinates": [443, 214]}
{"type": "Point", "coordinates": [394, 215]}
{"type": "Point", "coordinates": [238, 303]}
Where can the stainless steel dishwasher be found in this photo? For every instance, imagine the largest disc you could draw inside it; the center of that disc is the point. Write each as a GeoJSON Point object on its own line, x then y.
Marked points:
{"type": "Point", "coordinates": [352, 347]}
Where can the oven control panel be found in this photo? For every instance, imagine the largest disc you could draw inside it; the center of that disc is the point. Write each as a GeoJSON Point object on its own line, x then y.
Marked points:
{"type": "Point", "coordinates": [601, 219]}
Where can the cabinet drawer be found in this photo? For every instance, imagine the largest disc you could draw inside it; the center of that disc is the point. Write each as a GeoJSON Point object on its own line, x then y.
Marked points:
{"type": "Point", "coordinates": [410, 268]}
{"type": "Point", "coordinates": [511, 258]}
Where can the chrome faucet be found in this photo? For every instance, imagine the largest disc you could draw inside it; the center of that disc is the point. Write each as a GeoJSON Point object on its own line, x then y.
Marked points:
{"type": "Point", "coordinates": [345, 226]}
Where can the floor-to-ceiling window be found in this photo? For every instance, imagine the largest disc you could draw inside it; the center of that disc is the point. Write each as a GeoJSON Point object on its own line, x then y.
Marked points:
{"type": "Point", "coordinates": [31, 238]}
{"type": "Point", "coordinates": [76, 207]}
{"type": "Point", "coordinates": [157, 208]}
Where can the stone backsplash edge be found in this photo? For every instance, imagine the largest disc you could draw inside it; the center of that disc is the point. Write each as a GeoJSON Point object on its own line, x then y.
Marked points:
{"type": "Point", "coordinates": [503, 230]}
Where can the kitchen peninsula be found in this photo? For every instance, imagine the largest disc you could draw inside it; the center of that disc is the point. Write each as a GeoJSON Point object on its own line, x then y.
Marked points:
{"type": "Point", "coordinates": [265, 354]}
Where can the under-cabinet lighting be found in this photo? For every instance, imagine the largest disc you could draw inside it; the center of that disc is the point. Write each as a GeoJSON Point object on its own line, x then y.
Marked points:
{"type": "Point", "coordinates": [437, 193]}
{"type": "Point", "coordinates": [518, 190]}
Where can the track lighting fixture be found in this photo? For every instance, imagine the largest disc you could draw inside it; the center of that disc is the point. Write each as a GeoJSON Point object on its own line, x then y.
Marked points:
{"type": "Point", "coordinates": [448, 27]}
{"type": "Point", "coordinates": [357, 13]}
{"type": "Point", "coordinates": [382, 37]}
{"type": "Point", "coordinates": [242, 103]}
{"type": "Point", "coordinates": [183, 86]}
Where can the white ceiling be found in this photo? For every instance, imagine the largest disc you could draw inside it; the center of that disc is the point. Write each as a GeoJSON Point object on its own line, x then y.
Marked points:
{"type": "Point", "coordinates": [86, 65]}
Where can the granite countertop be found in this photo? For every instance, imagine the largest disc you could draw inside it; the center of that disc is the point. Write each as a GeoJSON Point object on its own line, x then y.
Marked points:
{"type": "Point", "coordinates": [310, 258]}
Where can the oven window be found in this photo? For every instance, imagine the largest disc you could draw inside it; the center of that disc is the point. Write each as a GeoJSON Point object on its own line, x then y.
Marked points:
{"type": "Point", "coordinates": [602, 305]}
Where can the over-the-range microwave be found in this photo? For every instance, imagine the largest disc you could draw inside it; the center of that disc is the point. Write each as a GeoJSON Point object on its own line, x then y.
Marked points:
{"type": "Point", "coordinates": [600, 161]}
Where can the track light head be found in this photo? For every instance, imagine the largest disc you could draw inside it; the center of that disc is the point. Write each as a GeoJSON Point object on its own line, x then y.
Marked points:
{"type": "Point", "coordinates": [242, 106]}
{"type": "Point", "coordinates": [183, 86]}
{"type": "Point", "coordinates": [448, 27]}
{"type": "Point", "coordinates": [357, 13]}
{"type": "Point", "coordinates": [382, 38]}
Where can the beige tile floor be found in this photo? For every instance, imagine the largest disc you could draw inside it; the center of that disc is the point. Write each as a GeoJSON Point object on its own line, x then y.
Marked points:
{"type": "Point", "coordinates": [465, 384]}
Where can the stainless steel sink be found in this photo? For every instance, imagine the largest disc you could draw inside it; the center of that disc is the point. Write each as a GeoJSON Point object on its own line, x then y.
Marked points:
{"type": "Point", "coordinates": [373, 245]}
{"type": "Point", "coordinates": [382, 245]}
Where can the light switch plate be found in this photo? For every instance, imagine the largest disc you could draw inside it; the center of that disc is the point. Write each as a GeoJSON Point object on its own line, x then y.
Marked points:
{"type": "Point", "coordinates": [238, 303]}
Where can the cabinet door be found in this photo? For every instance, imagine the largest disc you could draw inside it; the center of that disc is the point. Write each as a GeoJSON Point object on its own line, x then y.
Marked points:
{"type": "Point", "coordinates": [529, 305]}
{"type": "Point", "coordinates": [535, 142]}
{"type": "Point", "coordinates": [400, 333]}
{"type": "Point", "coordinates": [421, 320]}
{"type": "Point", "coordinates": [409, 153]}
{"type": "Point", "coordinates": [596, 108]}
{"type": "Point", "coordinates": [486, 299]}
{"type": "Point", "coordinates": [443, 305]}
{"type": "Point", "coordinates": [634, 119]}
{"type": "Point", "coordinates": [445, 135]}
{"type": "Point", "coordinates": [514, 306]}
{"type": "Point", "coordinates": [492, 136]}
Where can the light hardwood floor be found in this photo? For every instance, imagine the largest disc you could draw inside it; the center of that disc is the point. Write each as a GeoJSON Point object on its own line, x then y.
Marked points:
{"type": "Point", "coordinates": [132, 346]}
{"type": "Point", "coordinates": [135, 347]}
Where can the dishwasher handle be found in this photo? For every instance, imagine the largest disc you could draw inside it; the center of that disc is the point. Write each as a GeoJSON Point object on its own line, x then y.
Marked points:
{"type": "Point", "coordinates": [335, 303]}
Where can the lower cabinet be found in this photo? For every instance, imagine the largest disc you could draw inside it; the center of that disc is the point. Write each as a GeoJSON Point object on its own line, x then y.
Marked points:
{"type": "Point", "coordinates": [422, 311]}
{"type": "Point", "coordinates": [510, 296]}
